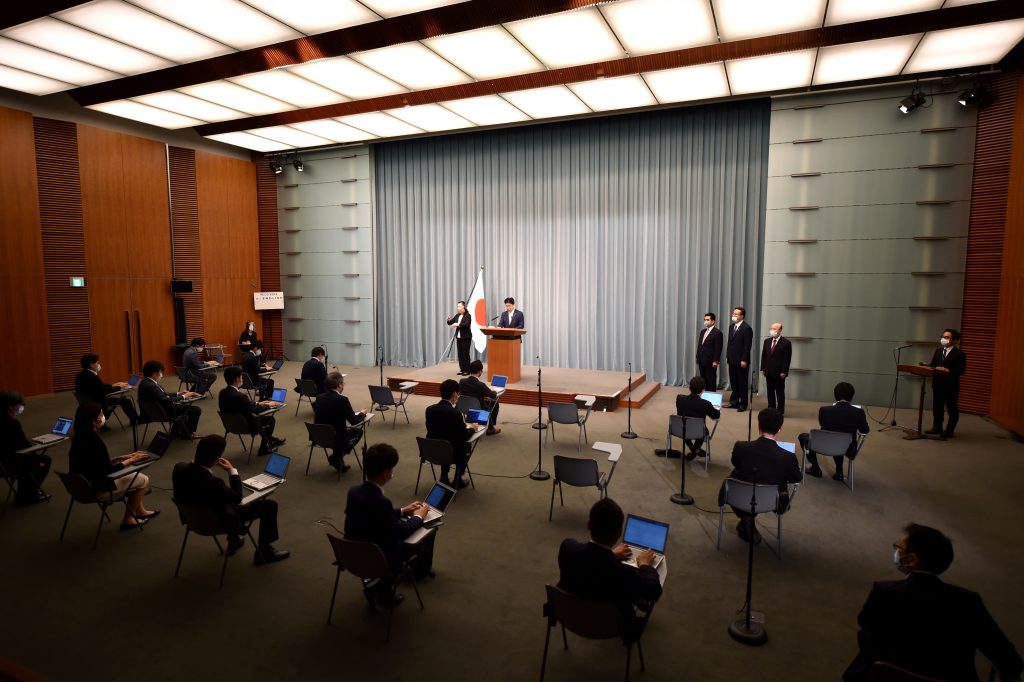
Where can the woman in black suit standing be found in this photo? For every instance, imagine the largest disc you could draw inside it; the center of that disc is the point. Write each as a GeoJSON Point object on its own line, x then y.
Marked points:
{"type": "Point", "coordinates": [247, 338]}
{"type": "Point", "coordinates": [460, 322]}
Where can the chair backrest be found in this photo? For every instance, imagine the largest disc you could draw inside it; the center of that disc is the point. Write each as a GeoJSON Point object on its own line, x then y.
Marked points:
{"type": "Point", "coordinates": [563, 413]}
{"type": "Point", "coordinates": [832, 443]}
{"type": "Point", "coordinates": [182, 373]}
{"type": "Point", "coordinates": [381, 395]}
{"type": "Point", "coordinates": [83, 399]}
{"type": "Point", "coordinates": [576, 471]}
{"type": "Point", "coordinates": [466, 403]}
{"type": "Point", "coordinates": [585, 617]}
{"type": "Point", "coordinates": [436, 451]}
{"type": "Point", "coordinates": [247, 384]}
{"type": "Point", "coordinates": [695, 428]}
{"type": "Point", "coordinates": [362, 559]}
{"type": "Point", "coordinates": [321, 435]}
{"type": "Point", "coordinates": [306, 387]}
{"type": "Point", "coordinates": [738, 493]}
{"type": "Point", "coordinates": [676, 426]}
{"type": "Point", "coordinates": [78, 488]}
{"type": "Point", "coordinates": [236, 423]}
{"type": "Point", "coordinates": [154, 411]}
{"type": "Point", "coordinates": [201, 520]}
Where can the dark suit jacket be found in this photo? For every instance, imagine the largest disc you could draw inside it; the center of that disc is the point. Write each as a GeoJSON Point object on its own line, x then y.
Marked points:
{"type": "Point", "coordinates": [88, 456]}
{"type": "Point", "coordinates": [12, 439]}
{"type": "Point", "coordinates": [740, 341]}
{"type": "Point", "coordinates": [689, 405]}
{"type": "Point", "coordinates": [190, 358]}
{"type": "Point", "coordinates": [844, 418]}
{"type": "Point", "coordinates": [198, 486]}
{"type": "Point", "coordinates": [774, 364]}
{"type": "Point", "coordinates": [774, 465]}
{"type": "Point", "coordinates": [89, 384]}
{"type": "Point", "coordinates": [232, 401]}
{"type": "Point", "coordinates": [152, 392]}
{"type": "Point", "coordinates": [252, 365]}
{"type": "Point", "coordinates": [462, 331]}
{"type": "Point", "coordinates": [931, 628]}
{"type": "Point", "coordinates": [472, 386]}
{"type": "Point", "coordinates": [315, 371]}
{"type": "Point", "coordinates": [370, 517]}
{"type": "Point", "coordinates": [711, 350]}
{"type": "Point", "coordinates": [518, 319]}
{"type": "Point", "coordinates": [335, 409]}
{"type": "Point", "coordinates": [445, 423]}
{"type": "Point", "coordinates": [955, 362]}
{"type": "Point", "coordinates": [590, 570]}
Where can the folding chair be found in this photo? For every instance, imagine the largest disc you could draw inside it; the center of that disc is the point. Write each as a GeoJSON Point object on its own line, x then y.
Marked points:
{"type": "Point", "coordinates": [691, 428]}
{"type": "Point", "coordinates": [306, 389]}
{"type": "Point", "coordinates": [737, 494]}
{"type": "Point", "coordinates": [829, 444]}
{"type": "Point", "coordinates": [383, 396]}
{"type": "Point", "coordinates": [81, 491]}
{"type": "Point", "coordinates": [567, 413]}
{"type": "Point", "coordinates": [437, 452]}
{"type": "Point", "coordinates": [207, 522]}
{"type": "Point", "coordinates": [249, 387]}
{"type": "Point", "coordinates": [237, 424]}
{"type": "Point", "coordinates": [324, 436]}
{"type": "Point", "coordinates": [154, 411]}
{"type": "Point", "coordinates": [581, 473]}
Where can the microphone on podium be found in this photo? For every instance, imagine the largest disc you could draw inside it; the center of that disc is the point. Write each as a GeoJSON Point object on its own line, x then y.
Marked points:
{"type": "Point", "coordinates": [495, 318]}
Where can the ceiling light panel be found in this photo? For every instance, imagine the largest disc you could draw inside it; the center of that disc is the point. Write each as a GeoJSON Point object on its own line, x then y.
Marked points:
{"type": "Point", "coordinates": [846, 11]}
{"type": "Point", "coordinates": [485, 53]}
{"type": "Point", "coordinates": [189, 106]}
{"type": "Point", "coordinates": [22, 81]}
{"type": "Point", "coordinates": [547, 102]}
{"type": "Point", "coordinates": [45, 63]}
{"type": "Point", "coordinates": [289, 135]}
{"type": "Point", "coordinates": [250, 141]}
{"type": "Point", "coordinates": [649, 26]}
{"type": "Point", "coordinates": [430, 117]}
{"type": "Point", "coordinates": [859, 61]}
{"type": "Point", "coordinates": [413, 66]}
{"type": "Point", "coordinates": [739, 19]}
{"type": "Point", "coordinates": [236, 97]}
{"type": "Point", "coordinates": [86, 46]}
{"type": "Point", "coordinates": [316, 16]}
{"type": "Point", "coordinates": [228, 21]}
{"type": "Point", "coordinates": [606, 94]}
{"type": "Point", "coordinates": [776, 72]}
{"type": "Point", "coordinates": [350, 78]}
{"type": "Point", "coordinates": [569, 38]}
{"type": "Point", "coordinates": [395, 8]}
{"type": "Point", "coordinates": [689, 83]}
{"type": "Point", "coordinates": [486, 111]}
{"type": "Point", "coordinates": [129, 24]}
{"type": "Point", "coordinates": [379, 124]}
{"type": "Point", "coordinates": [967, 46]}
{"type": "Point", "coordinates": [145, 114]}
{"type": "Point", "coordinates": [957, 3]}
{"type": "Point", "coordinates": [290, 88]}
{"type": "Point", "coordinates": [335, 131]}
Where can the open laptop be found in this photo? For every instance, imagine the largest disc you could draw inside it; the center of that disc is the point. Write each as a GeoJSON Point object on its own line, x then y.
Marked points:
{"type": "Point", "coordinates": [642, 534]}
{"type": "Point", "coordinates": [59, 432]}
{"type": "Point", "coordinates": [278, 364]}
{"type": "Point", "coordinates": [478, 416]}
{"type": "Point", "coordinates": [498, 382]}
{"type": "Point", "coordinates": [273, 473]}
{"type": "Point", "coordinates": [202, 388]}
{"type": "Point", "coordinates": [134, 379]}
{"type": "Point", "coordinates": [157, 447]}
{"type": "Point", "coordinates": [791, 447]}
{"type": "Point", "coordinates": [438, 499]}
{"type": "Point", "coordinates": [277, 400]}
{"type": "Point", "coordinates": [714, 398]}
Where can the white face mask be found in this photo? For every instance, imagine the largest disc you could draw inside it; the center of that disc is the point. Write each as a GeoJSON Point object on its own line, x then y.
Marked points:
{"type": "Point", "coordinates": [897, 563]}
{"type": "Point", "coordinates": [774, 334]}
{"type": "Point", "coordinates": [735, 319]}
{"type": "Point", "coordinates": [19, 411]}
{"type": "Point", "coordinates": [103, 420]}
{"type": "Point", "coordinates": [944, 341]}
{"type": "Point", "coordinates": [709, 324]}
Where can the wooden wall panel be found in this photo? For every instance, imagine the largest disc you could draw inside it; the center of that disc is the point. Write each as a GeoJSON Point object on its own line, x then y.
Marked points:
{"type": "Point", "coordinates": [152, 309]}
{"type": "Point", "coordinates": [270, 254]}
{"type": "Point", "coordinates": [147, 218]}
{"type": "Point", "coordinates": [22, 277]}
{"type": "Point", "coordinates": [109, 310]}
{"type": "Point", "coordinates": [101, 174]}
{"type": "Point", "coordinates": [181, 165]}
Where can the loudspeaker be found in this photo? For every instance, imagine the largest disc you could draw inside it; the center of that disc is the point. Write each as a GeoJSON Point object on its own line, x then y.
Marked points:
{"type": "Point", "coordinates": [179, 321]}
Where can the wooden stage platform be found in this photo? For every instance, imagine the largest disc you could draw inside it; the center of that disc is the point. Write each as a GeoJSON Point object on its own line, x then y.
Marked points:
{"type": "Point", "coordinates": [557, 384]}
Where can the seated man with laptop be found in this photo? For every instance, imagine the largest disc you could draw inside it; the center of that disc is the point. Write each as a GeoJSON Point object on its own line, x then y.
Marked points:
{"type": "Point", "coordinates": [253, 365]}
{"type": "Point", "coordinates": [370, 517]}
{"type": "Point", "coordinates": [597, 569]}
{"type": "Point", "coordinates": [231, 400]}
{"type": "Point", "coordinates": [472, 386]}
{"type": "Point", "coordinates": [31, 468]}
{"type": "Point", "coordinates": [334, 408]}
{"type": "Point", "coordinates": [89, 386]}
{"type": "Point", "coordinates": [196, 484]}
{"type": "Point", "coordinates": [444, 422]}
{"type": "Point", "coordinates": [841, 416]}
{"type": "Point", "coordinates": [174, 404]}
{"type": "Point", "coordinates": [698, 406]}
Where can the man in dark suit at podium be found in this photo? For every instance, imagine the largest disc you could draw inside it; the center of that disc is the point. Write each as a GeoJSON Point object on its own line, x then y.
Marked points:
{"type": "Point", "coordinates": [775, 357]}
{"type": "Point", "coordinates": [511, 317]}
{"type": "Point", "coordinates": [949, 363]}
{"type": "Point", "coordinates": [709, 352]}
{"type": "Point", "coordinates": [737, 355]}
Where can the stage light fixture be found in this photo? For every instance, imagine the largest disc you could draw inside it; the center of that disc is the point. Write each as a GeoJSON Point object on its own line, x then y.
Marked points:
{"type": "Point", "coordinates": [911, 102]}
{"type": "Point", "coordinates": [275, 167]}
{"type": "Point", "coordinates": [974, 95]}
{"type": "Point", "coordinates": [297, 162]}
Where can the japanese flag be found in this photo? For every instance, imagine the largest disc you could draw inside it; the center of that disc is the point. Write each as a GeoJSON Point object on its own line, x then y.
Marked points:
{"type": "Point", "coordinates": [478, 309]}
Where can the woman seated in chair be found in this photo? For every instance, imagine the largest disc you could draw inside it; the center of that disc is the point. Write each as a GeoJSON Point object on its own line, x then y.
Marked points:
{"type": "Point", "coordinates": [88, 457]}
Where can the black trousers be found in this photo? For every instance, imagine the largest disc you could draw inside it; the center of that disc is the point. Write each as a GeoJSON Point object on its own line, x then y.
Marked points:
{"type": "Point", "coordinates": [126, 405]}
{"type": "Point", "coordinates": [776, 387]}
{"type": "Point", "coordinates": [30, 470]}
{"type": "Point", "coordinates": [710, 376]}
{"type": "Point", "coordinates": [462, 345]}
{"type": "Point", "coordinates": [739, 382]}
{"type": "Point", "coordinates": [460, 466]}
{"type": "Point", "coordinates": [265, 388]}
{"type": "Point", "coordinates": [424, 563]}
{"type": "Point", "coordinates": [266, 425]}
{"type": "Point", "coordinates": [494, 413]}
{"type": "Point", "coordinates": [192, 414]}
{"type": "Point", "coordinates": [266, 511]}
{"type": "Point", "coordinates": [947, 397]}
{"type": "Point", "coordinates": [812, 456]}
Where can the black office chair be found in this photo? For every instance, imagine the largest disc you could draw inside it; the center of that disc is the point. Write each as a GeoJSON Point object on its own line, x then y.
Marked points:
{"type": "Point", "coordinates": [81, 491]}
{"type": "Point", "coordinates": [237, 424]}
{"type": "Point", "coordinates": [207, 522]}
{"type": "Point", "coordinates": [437, 452]}
{"type": "Point", "coordinates": [306, 389]}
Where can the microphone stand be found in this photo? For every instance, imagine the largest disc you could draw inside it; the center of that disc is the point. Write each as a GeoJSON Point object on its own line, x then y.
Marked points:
{"type": "Point", "coordinates": [380, 363]}
{"type": "Point", "coordinates": [895, 392]}
{"type": "Point", "coordinates": [681, 497]}
{"type": "Point", "coordinates": [742, 629]}
{"type": "Point", "coordinates": [628, 433]}
{"type": "Point", "coordinates": [539, 474]}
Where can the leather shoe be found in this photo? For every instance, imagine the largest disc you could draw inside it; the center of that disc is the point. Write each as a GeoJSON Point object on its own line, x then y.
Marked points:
{"type": "Point", "coordinates": [235, 545]}
{"type": "Point", "coordinates": [934, 432]}
{"type": "Point", "coordinates": [947, 434]}
{"type": "Point", "coordinates": [813, 471]}
{"type": "Point", "coordinates": [690, 456]}
{"type": "Point", "coordinates": [494, 430]}
{"type": "Point", "coordinates": [278, 442]}
{"type": "Point", "coordinates": [463, 483]}
{"type": "Point", "coordinates": [344, 467]}
{"type": "Point", "coordinates": [268, 555]}
{"type": "Point", "coordinates": [387, 602]}
{"type": "Point", "coordinates": [132, 526]}
{"type": "Point", "coordinates": [838, 476]}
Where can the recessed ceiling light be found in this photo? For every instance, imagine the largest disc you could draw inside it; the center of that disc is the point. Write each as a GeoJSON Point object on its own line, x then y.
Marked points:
{"type": "Point", "coordinates": [775, 72]}
{"type": "Point", "coordinates": [846, 11]}
{"type": "Point", "coordinates": [430, 117]}
{"type": "Point", "coordinates": [22, 81]}
{"type": "Point", "coordinates": [288, 87]}
{"type": "Point", "coordinates": [249, 141]}
{"type": "Point", "coordinates": [688, 83]}
{"type": "Point", "coordinates": [316, 16]}
{"type": "Point", "coordinates": [232, 23]}
{"type": "Point", "coordinates": [859, 61]}
{"type": "Point", "coordinates": [146, 114]}
{"type": "Point", "coordinates": [288, 135]}
{"type": "Point", "coordinates": [488, 110]}
{"type": "Point", "coordinates": [739, 19]}
{"type": "Point", "coordinates": [412, 65]}
{"type": "Point", "coordinates": [350, 78]}
{"type": "Point", "coordinates": [569, 38]}
{"type": "Point", "coordinates": [649, 26]}
{"type": "Point", "coordinates": [551, 102]}
{"type": "Point", "coordinates": [189, 106]}
{"type": "Point", "coordinates": [966, 46]}
{"type": "Point", "coordinates": [45, 63]}
{"type": "Point", "coordinates": [485, 53]}
{"type": "Point", "coordinates": [335, 131]}
{"type": "Point", "coordinates": [236, 97]}
{"type": "Point", "coordinates": [607, 94]}
{"type": "Point", "coordinates": [396, 8]}
{"type": "Point", "coordinates": [379, 124]}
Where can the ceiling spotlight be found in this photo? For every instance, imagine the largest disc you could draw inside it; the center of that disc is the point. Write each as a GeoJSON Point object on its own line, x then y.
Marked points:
{"type": "Point", "coordinates": [975, 95]}
{"type": "Point", "coordinates": [275, 167]}
{"type": "Point", "coordinates": [297, 162]}
{"type": "Point", "coordinates": [908, 104]}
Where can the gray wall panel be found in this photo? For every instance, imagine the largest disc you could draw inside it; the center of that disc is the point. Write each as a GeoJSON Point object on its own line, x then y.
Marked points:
{"type": "Point", "coordinates": [339, 239]}
{"type": "Point", "coordinates": [865, 256]}
{"type": "Point", "coordinates": [869, 222]}
{"type": "Point", "coordinates": [894, 325]}
{"type": "Point", "coordinates": [864, 290]}
{"type": "Point", "coordinates": [900, 186]}
{"type": "Point", "coordinates": [324, 217]}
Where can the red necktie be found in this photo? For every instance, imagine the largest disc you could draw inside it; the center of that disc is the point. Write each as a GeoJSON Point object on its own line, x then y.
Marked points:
{"type": "Point", "coordinates": [774, 341]}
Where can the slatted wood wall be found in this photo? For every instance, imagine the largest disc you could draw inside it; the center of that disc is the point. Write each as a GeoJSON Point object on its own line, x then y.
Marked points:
{"type": "Point", "coordinates": [985, 241]}
{"type": "Point", "coordinates": [60, 211]}
{"type": "Point", "coordinates": [270, 259]}
{"type": "Point", "coordinates": [185, 233]}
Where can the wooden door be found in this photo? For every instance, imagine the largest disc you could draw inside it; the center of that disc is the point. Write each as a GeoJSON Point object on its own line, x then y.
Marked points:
{"type": "Point", "coordinates": [111, 325]}
{"type": "Point", "coordinates": [152, 316]}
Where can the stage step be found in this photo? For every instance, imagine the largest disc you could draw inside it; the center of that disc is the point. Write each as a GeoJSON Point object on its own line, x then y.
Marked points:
{"type": "Point", "coordinates": [641, 393]}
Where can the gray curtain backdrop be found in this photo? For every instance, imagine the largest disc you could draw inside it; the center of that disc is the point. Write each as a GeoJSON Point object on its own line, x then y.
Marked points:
{"type": "Point", "coordinates": [615, 235]}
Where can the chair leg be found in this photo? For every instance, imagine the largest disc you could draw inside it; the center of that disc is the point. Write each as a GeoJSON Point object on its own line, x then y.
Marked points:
{"type": "Point", "coordinates": [391, 611]}
{"type": "Point", "coordinates": [416, 589]}
{"type": "Point", "coordinates": [334, 595]}
{"type": "Point", "coordinates": [99, 527]}
{"type": "Point", "coordinates": [544, 660]}
{"type": "Point", "coordinates": [298, 403]}
{"type": "Point", "coordinates": [721, 520]}
{"type": "Point", "coordinates": [779, 533]}
{"type": "Point", "coordinates": [416, 490]}
{"type": "Point", "coordinates": [309, 459]}
{"type": "Point", "coordinates": [561, 499]}
{"type": "Point", "coordinates": [849, 473]}
{"type": "Point", "coordinates": [181, 554]}
{"type": "Point", "coordinates": [66, 517]}
{"type": "Point", "coordinates": [565, 641]}
{"type": "Point", "coordinates": [223, 570]}
{"type": "Point", "coordinates": [220, 550]}
{"type": "Point", "coordinates": [707, 455]}
{"type": "Point", "coordinates": [406, 413]}
{"type": "Point", "coordinates": [551, 507]}
{"type": "Point", "coordinates": [640, 654]}
{"type": "Point", "coordinates": [469, 473]}
{"type": "Point", "coordinates": [629, 655]}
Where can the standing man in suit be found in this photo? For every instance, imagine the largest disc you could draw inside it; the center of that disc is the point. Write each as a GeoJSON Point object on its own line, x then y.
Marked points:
{"type": "Point", "coordinates": [315, 369]}
{"type": "Point", "coordinates": [231, 400]}
{"type": "Point", "coordinates": [694, 406]}
{"type": "Point", "coordinates": [511, 317]}
{"type": "Point", "coordinates": [709, 352]}
{"type": "Point", "coordinates": [31, 468]}
{"type": "Point", "coordinates": [737, 355]}
{"type": "Point", "coordinates": [370, 517]}
{"type": "Point", "coordinates": [252, 364]}
{"type": "Point", "coordinates": [445, 423]}
{"type": "Point", "coordinates": [331, 407]}
{"type": "Point", "coordinates": [195, 367]}
{"type": "Point", "coordinates": [488, 398]}
{"type": "Point", "coordinates": [89, 385]}
{"type": "Point", "coordinates": [763, 461]}
{"type": "Point", "coordinates": [460, 322]}
{"type": "Point", "coordinates": [594, 569]}
{"type": "Point", "coordinates": [843, 417]}
{"type": "Point", "coordinates": [775, 356]}
{"type": "Point", "coordinates": [196, 485]}
{"type": "Point", "coordinates": [949, 363]}
{"type": "Point", "coordinates": [150, 391]}
{"type": "Point", "coordinates": [927, 626]}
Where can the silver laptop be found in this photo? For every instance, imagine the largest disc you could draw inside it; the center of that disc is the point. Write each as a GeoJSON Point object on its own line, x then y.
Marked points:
{"type": "Point", "coordinates": [791, 447]}
{"type": "Point", "coordinates": [714, 398]}
{"type": "Point", "coordinates": [273, 473]}
{"type": "Point", "coordinates": [498, 382]}
{"type": "Point", "coordinates": [59, 432]}
{"type": "Point", "coordinates": [642, 534]}
{"type": "Point", "coordinates": [438, 499]}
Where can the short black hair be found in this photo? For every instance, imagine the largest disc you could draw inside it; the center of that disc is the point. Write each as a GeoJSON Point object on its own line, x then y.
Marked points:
{"type": "Point", "coordinates": [510, 300]}
{"type": "Point", "coordinates": [88, 359]}
{"type": "Point", "coordinates": [257, 344]}
{"type": "Point", "coordinates": [448, 388]}
{"type": "Point", "coordinates": [743, 311]}
{"type": "Point", "coordinates": [85, 415]}
{"type": "Point", "coordinates": [769, 420]}
{"type": "Point", "coordinates": [843, 391]}
{"type": "Point", "coordinates": [9, 399]}
{"type": "Point", "coordinates": [462, 303]}
{"type": "Point", "coordinates": [933, 549]}
{"type": "Point", "coordinates": [606, 519]}
{"type": "Point", "coordinates": [334, 379]}
{"type": "Point", "coordinates": [198, 341]}
{"type": "Point", "coordinates": [232, 373]}
{"type": "Point", "coordinates": [379, 458]}
{"type": "Point", "coordinates": [152, 367]}
{"type": "Point", "coordinates": [209, 449]}
{"type": "Point", "coordinates": [697, 385]}
{"type": "Point", "coordinates": [476, 366]}
{"type": "Point", "coordinates": [954, 332]}
{"type": "Point", "coordinates": [711, 315]}
{"type": "Point", "coordinates": [317, 352]}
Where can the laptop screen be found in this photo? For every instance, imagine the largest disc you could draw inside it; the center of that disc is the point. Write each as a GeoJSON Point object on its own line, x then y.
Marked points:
{"type": "Point", "coordinates": [439, 497]}
{"type": "Point", "coordinates": [220, 359]}
{"type": "Point", "coordinates": [478, 416]}
{"type": "Point", "coordinates": [133, 379]}
{"type": "Point", "coordinates": [161, 441]}
{"type": "Point", "coordinates": [62, 426]}
{"type": "Point", "coordinates": [499, 381]}
{"type": "Point", "coordinates": [279, 395]}
{"type": "Point", "coordinates": [791, 447]}
{"type": "Point", "coordinates": [278, 364]}
{"type": "Point", "coordinates": [643, 532]}
{"type": "Point", "coordinates": [277, 464]}
{"type": "Point", "coordinates": [714, 398]}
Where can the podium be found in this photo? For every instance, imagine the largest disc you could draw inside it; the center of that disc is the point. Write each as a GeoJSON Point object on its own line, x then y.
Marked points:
{"type": "Point", "coordinates": [923, 373]}
{"type": "Point", "coordinates": [504, 351]}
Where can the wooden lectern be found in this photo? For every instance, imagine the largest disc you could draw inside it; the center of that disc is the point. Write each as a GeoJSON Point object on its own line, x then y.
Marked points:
{"type": "Point", "coordinates": [922, 372]}
{"type": "Point", "coordinates": [504, 351]}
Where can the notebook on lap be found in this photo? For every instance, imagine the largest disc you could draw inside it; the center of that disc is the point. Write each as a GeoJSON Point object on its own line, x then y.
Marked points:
{"type": "Point", "coordinates": [438, 499]}
{"type": "Point", "coordinates": [273, 473]}
{"type": "Point", "coordinates": [642, 534]}
{"type": "Point", "coordinates": [59, 432]}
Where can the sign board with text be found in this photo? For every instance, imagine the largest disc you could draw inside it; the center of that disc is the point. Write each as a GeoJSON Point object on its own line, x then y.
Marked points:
{"type": "Point", "coordinates": [268, 300]}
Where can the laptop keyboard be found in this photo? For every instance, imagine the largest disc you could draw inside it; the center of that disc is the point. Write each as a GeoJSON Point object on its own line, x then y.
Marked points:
{"type": "Point", "coordinates": [262, 481]}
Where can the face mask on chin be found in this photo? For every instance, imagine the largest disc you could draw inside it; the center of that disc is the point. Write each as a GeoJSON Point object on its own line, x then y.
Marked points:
{"type": "Point", "coordinates": [774, 334]}
{"type": "Point", "coordinates": [97, 368]}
